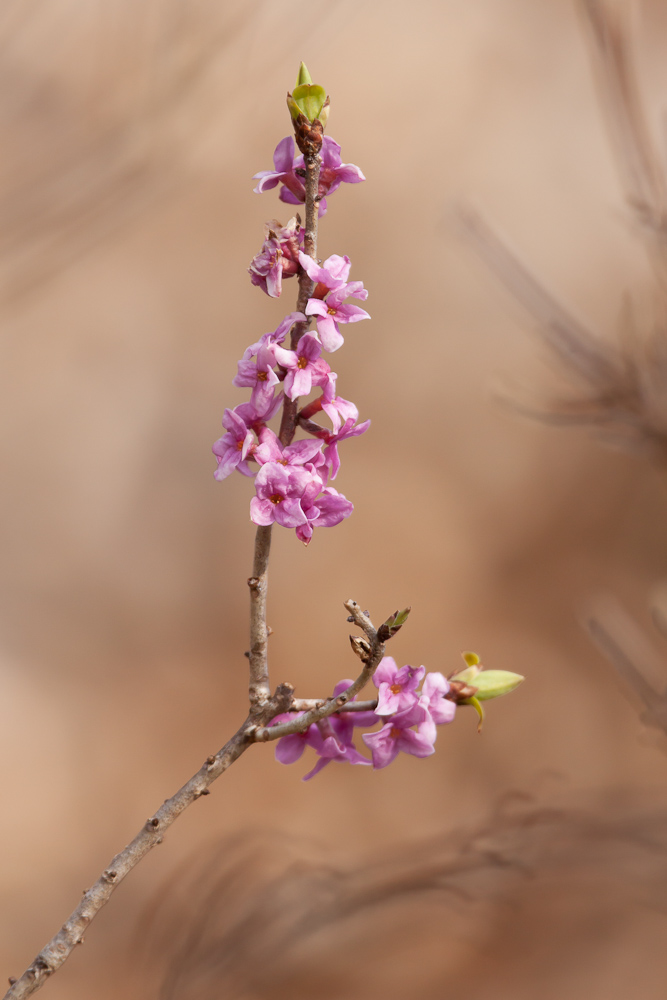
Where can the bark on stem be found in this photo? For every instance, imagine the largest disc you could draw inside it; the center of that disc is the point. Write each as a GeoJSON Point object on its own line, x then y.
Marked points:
{"type": "Point", "coordinates": [259, 689]}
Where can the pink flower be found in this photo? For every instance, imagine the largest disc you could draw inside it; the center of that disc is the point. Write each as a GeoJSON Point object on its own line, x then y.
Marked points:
{"type": "Point", "coordinates": [259, 374]}
{"type": "Point", "coordinates": [331, 739]}
{"type": "Point", "coordinates": [279, 494]}
{"type": "Point", "coordinates": [398, 736]}
{"type": "Point", "coordinates": [397, 689]}
{"type": "Point", "coordinates": [256, 414]}
{"type": "Point", "coordinates": [233, 448]}
{"type": "Point", "coordinates": [277, 336]}
{"type": "Point", "coordinates": [298, 453]}
{"type": "Point", "coordinates": [326, 511]}
{"type": "Point", "coordinates": [332, 173]}
{"type": "Point", "coordinates": [432, 698]}
{"type": "Point", "coordinates": [278, 257]}
{"type": "Point", "coordinates": [304, 366]}
{"type": "Point", "coordinates": [348, 430]}
{"type": "Point", "coordinates": [283, 161]}
{"type": "Point", "coordinates": [329, 308]}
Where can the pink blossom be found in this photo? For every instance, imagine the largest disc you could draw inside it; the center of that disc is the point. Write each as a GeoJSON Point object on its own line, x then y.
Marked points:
{"type": "Point", "coordinates": [432, 697]}
{"type": "Point", "coordinates": [279, 494]}
{"type": "Point", "coordinates": [326, 511]}
{"type": "Point", "coordinates": [304, 366]}
{"type": "Point", "coordinates": [396, 688]}
{"type": "Point", "coordinates": [332, 273]}
{"type": "Point", "coordinates": [332, 311]}
{"type": "Point", "coordinates": [328, 306]}
{"type": "Point", "coordinates": [256, 414]}
{"type": "Point", "coordinates": [348, 430]}
{"type": "Point", "coordinates": [331, 739]}
{"type": "Point", "coordinates": [277, 336]}
{"type": "Point", "coordinates": [283, 161]}
{"type": "Point", "coordinates": [288, 169]}
{"type": "Point", "coordinates": [233, 448]}
{"type": "Point", "coordinates": [259, 374]}
{"type": "Point", "coordinates": [298, 453]}
{"type": "Point", "coordinates": [278, 257]}
{"type": "Point", "coordinates": [398, 736]}
{"type": "Point", "coordinates": [332, 172]}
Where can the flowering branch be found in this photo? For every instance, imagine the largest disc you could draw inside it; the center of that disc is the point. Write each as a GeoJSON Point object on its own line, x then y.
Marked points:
{"type": "Point", "coordinates": [292, 489]}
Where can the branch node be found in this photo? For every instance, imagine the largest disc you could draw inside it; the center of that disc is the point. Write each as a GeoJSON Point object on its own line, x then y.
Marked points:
{"type": "Point", "coordinates": [253, 582]}
{"type": "Point", "coordinates": [12, 980]}
{"type": "Point", "coordinates": [210, 761]}
{"type": "Point", "coordinates": [109, 875]}
{"type": "Point", "coordinates": [152, 823]}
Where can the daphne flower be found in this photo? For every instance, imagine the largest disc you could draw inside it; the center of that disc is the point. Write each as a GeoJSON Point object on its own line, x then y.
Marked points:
{"type": "Point", "coordinates": [304, 366]}
{"type": "Point", "coordinates": [396, 688]}
{"type": "Point", "coordinates": [325, 511]}
{"type": "Point", "coordinates": [279, 494]}
{"type": "Point", "coordinates": [278, 257]}
{"type": "Point", "coordinates": [233, 448]}
{"type": "Point", "coordinates": [276, 336]}
{"type": "Point", "coordinates": [298, 453]}
{"type": "Point", "coordinates": [398, 736]}
{"type": "Point", "coordinates": [283, 161]}
{"type": "Point", "coordinates": [259, 375]}
{"type": "Point", "coordinates": [331, 310]}
{"type": "Point", "coordinates": [432, 698]}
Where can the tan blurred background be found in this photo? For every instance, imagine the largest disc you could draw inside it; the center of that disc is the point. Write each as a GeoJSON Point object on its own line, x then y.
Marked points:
{"type": "Point", "coordinates": [127, 220]}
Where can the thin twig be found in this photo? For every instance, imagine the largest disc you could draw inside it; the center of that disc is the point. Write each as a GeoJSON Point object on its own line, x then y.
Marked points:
{"type": "Point", "coordinates": [304, 704]}
{"type": "Point", "coordinates": [370, 657]}
{"type": "Point", "coordinates": [259, 689]}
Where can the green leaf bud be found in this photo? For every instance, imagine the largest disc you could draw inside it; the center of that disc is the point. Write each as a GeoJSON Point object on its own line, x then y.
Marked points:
{"type": "Point", "coordinates": [495, 683]}
{"type": "Point", "coordinates": [309, 99]}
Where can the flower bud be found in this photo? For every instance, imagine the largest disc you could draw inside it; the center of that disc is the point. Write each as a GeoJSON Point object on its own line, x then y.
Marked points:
{"type": "Point", "coordinates": [494, 683]}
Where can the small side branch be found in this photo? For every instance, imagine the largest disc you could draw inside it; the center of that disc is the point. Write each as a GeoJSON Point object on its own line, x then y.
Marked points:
{"type": "Point", "coordinates": [370, 651]}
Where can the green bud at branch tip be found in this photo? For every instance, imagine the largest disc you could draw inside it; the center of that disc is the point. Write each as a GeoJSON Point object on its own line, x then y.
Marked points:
{"type": "Point", "coordinates": [495, 683]}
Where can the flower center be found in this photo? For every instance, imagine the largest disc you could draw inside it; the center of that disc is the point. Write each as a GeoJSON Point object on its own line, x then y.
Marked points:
{"type": "Point", "coordinates": [239, 445]}
{"type": "Point", "coordinates": [262, 376]}
{"type": "Point", "coordinates": [331, 311]}
{"type": "Point", "coordinates": [276, 498]}
{"type": "Point", "coordinates": [395, 688]}
{"type": "Point", "coordinates": [395, 733]}
{"type": "Point", "coordinates": [282, 461]}
{"type": "Point", "coordinates": [302, 362]}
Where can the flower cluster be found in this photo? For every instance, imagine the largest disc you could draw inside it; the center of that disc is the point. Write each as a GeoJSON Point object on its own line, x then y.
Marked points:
{"type": "Point", "coordinates": [407, 717]}
{"type": "Point", "coordinates": [293, 478]}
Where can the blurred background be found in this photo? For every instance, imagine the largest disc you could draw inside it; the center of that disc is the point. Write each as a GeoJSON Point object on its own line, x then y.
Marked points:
{"type": "Point", "coordinates": [529, 860]}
